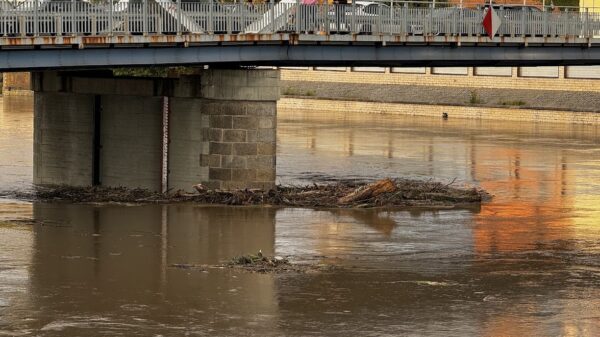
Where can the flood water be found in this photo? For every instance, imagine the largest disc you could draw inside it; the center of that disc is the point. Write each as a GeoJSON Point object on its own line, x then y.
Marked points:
{"type": "Point", "coordinates": [525, 264]}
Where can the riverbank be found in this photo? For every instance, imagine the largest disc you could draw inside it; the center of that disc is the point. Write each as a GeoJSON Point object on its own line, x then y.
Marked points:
{"type": "Point", "coordinates": [437, 101]}
{"type": "Point", "coordinates": [396, 193]}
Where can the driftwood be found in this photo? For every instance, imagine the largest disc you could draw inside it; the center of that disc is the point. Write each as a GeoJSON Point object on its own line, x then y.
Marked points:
{"type": "Point", "coordinates": [342, 194]}
{"type": "Point", "coordinates": [369, 191]}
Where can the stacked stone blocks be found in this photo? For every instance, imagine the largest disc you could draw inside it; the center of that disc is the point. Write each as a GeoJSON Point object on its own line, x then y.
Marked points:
{"type": "Point", "coordinates": [241, 111]}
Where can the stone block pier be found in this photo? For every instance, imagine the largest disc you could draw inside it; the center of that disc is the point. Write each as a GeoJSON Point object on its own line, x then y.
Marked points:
{"type": "Point", "coordinates": [217, 128]}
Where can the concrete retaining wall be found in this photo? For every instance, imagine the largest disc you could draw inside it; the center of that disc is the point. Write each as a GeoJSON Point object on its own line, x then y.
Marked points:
{"type": "Point", "coordinates": [509, 114]}
{"type": "Point", "coordinates": [131, 140]}
{"type": "Point", "coordinates": [63, 136]}
{"type": "Point", "coordinates": [531, 78]}
{"type": "Point", "coordinates": [188, 126]}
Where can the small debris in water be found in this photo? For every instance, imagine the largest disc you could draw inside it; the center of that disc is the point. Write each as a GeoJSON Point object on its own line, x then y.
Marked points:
{"type": "Point", "coordinates": [258, 263]}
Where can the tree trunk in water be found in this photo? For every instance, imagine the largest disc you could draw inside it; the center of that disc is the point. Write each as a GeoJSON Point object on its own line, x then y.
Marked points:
{"type": "Point", "coordinates": [369, 191]}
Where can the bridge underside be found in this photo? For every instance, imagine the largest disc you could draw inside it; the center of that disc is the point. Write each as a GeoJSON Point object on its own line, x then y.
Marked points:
{"type": "Point", "coordinates": [42, 53]}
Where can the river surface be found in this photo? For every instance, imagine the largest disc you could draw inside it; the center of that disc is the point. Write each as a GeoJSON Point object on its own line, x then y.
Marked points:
{"type": "Point", "coordinates": [525, 264]}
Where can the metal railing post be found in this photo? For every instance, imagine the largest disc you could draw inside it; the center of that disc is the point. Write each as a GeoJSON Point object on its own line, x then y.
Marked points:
{"type": "Point", "coordinates": [353, 29]}
{"type": "Point", "coordinates": [523, 27]}
{"type": "Point", "coordinates": [379, 22]}
{"type": "Point", "coordinates": [272, 18]}
{"type": "Point", "coordinates": [242, 17]}
{"type": "Point", "coordinates": [430, 28]}
{"type": "Point", "coordinates": [4, 25]}
{"type": "Point", "coordinates": [145, 17]}
{"type": "Point", "coordinates": [228, 21]}
{"type": "Point", "coordinates": [462, 27]}
{"type": "Point", "coordinates": [211, 8]}
{"type": "Point", "coordinates": [73, 23]}
{"type": "Point", "coordinates": [126, 20]}
{"type": "Point", "coordinates": [392, 19]}
{"type": "Point", "coordinates": [545, 23]}
{"type": "Point", "coordinates": [178, 9]}
{"type": "Point", "coordinates": [587, 23]}
{"type": "Point", "coordinates": [406, 25]}
{"type": "Point", "coordinates": [454, 24]}
{"type": "Point", "coordinates": [110, 19]}
{"type": "Point", "coordinates": [297, 17]}
{"type": "Point", "coordinates": [326, 13]}
{"type": "Point", "coordinates": [35, 19]}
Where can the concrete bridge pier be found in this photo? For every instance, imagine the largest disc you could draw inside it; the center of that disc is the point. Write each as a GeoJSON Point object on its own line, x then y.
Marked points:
{"type": "Point", "coordinates": [217, 128]}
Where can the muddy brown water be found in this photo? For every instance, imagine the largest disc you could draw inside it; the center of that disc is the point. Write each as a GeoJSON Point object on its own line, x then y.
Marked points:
{"type": "Point", "coordinates": [525, 264]}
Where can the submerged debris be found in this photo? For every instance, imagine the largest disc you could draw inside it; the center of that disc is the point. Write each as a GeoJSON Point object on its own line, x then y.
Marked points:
{"type": "Point", "coordinates": [369, 191]}
{"type": "Point", "coordinates": [272, 264]}
{"type": "Point", "coordinates": [257, 263]}
{"type": "Point", "coordinates": [343, 194]}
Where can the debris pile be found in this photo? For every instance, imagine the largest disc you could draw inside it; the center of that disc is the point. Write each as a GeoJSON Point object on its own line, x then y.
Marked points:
{"type": "Point", "coordinates": [258, 263]}
{"type": "Point", "coordinates": [343, 194]}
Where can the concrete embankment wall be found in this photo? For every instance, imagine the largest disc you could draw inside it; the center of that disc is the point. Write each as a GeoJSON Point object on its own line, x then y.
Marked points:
{"type": "Point", "coordinates": [453, 111]}
{"type": "Point", "coordinates": [530, 78]}
{"type": "Point", "coordinates": [580, 84]}
{"type": "Point", "coordinates": [63, 133]}
{"type": "Point", "coordinates": [577, 88]}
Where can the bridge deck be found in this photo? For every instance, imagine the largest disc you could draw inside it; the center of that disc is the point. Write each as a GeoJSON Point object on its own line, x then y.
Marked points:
{"type": "Point", "coordinates": [203, 39]}
{"type": "Point", "coordinates": [41, 34]}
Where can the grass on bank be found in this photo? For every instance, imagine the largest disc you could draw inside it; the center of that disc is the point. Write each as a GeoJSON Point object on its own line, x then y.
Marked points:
{"type": "Point", "coordinates": [474, 98]}
{"type": "Point", "coordinates": [289, 91]}
{"type": "Point", "coordinates": [513, 103]}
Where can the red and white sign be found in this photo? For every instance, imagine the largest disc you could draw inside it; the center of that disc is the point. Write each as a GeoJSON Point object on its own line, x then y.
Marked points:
{"type": "Point", "coordinates": [491, 22]}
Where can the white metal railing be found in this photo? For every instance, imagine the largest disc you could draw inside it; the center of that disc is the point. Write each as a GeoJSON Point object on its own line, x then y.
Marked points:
{"type": "Point", "coordinates": [105, 18]}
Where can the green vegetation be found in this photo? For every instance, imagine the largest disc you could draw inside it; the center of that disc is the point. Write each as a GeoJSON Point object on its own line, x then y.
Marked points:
{"type": "Point", "coordinates": [474, 98]}
{"type": "Point", "coordinates": [155, 71]}
{"type": "Point", "coordinates": [562, 3]}
{"type": "Point", "coordinates": [513, 103]}
{"type": "Point", "coordinates": [289, 91]}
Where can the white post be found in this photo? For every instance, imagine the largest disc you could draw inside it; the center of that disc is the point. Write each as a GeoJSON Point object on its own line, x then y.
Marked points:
{"type": "Point", "coordinates": [298, 16]}
{"type": "Point", "coordinates": [211, 26]}
{"type": "Point", "coordinates": [353, 28]}
{"type": "Point", "coordinates": [272, 10]}
{"type": "Point", "coordinates": [73, 21]}
{"type": "Point", "coordinates": [110, 19]}
{"type": "Point", "coordinates": [178, 17]}
{"type": "Point", "coordinates": [35, 19]}
{"type": "Point", "coordinates": [145, 17]}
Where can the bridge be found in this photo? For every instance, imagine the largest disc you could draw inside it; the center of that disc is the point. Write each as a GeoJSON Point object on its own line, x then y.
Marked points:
{"type": "Point", "coordinates": [46, 34]}
{"type": "Point", "coordinates": [217, 126]}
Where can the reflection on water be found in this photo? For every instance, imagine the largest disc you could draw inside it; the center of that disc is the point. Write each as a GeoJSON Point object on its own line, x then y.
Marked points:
{"type": "Point", "coordinates": [16, 143]}
{"type": "Point", "coordinates": [113, 269]}
{"type": "Point", "coordinates": [545, 177]}
{"type": "Point", "coordinates": [527, 263]}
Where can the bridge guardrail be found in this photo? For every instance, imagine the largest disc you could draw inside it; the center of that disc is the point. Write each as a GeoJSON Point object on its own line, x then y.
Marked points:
{"type": "Point", "coordinates": [59, 18]}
